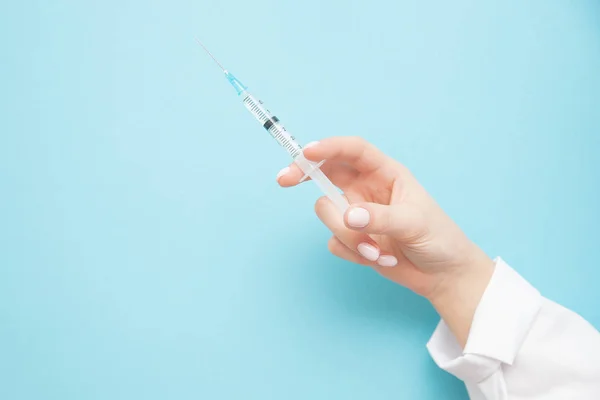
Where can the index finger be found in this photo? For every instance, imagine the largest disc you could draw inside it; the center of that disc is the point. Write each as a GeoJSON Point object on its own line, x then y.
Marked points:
{"type": "Point", "coordinates": [353, 150]}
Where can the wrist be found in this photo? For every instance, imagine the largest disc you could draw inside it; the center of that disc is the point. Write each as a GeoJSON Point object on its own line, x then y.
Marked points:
{"type": "Point", "coordinates": [459, 292]}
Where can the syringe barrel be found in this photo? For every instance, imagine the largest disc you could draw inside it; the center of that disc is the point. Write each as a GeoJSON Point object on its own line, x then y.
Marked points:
{"type": "Point", "coordinates": [271, 123]}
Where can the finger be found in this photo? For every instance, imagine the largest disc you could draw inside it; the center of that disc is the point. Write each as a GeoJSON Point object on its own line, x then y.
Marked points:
{"type": "Point", "coordinates": [358, 242]}
{"type": "Point", "coordinates": [340, 175]}
{"type": "Point", "coordinates": [339, 249]}
{"type": "Point", "coordinates": [398, 220]}
{"type": "Point", "coordinates": [353, 150]}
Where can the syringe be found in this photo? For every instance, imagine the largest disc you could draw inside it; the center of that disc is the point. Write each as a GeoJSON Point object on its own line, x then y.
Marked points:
{"type": "Point", "coordinates": [272, 124]}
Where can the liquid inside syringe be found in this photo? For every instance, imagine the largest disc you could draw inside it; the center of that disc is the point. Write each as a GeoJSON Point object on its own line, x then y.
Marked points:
{"type": "Point", "coordinates": [272, 125]}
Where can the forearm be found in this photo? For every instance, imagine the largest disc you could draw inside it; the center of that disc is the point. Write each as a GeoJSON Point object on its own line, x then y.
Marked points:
{"type": "Point", "coordinates": [459, 294]}
{"type": "Point", "coordinates": [518, 344]}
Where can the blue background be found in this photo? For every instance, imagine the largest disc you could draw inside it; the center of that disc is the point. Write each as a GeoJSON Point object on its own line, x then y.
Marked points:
{"type": "Point", "coordinates": [146, 251]}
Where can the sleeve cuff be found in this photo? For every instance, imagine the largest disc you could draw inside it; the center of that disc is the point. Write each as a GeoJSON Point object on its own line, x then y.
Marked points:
{"type": "Point", "coordinates": [501, 322]}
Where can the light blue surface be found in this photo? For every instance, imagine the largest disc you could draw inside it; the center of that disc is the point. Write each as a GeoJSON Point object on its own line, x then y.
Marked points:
{"type": "Point", "coordinates": [145, 249]}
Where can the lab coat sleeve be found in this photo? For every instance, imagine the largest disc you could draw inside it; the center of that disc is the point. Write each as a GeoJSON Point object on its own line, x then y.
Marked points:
{"type": "Point", "coordinates": [522, 346]}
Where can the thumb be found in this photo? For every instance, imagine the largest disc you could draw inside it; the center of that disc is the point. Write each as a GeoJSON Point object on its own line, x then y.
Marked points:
{"type": "Point", "coordinates": [399, 220]}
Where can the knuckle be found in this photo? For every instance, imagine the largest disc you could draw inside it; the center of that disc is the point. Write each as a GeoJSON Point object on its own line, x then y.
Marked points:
{"type": "Point", "coordinates": [332, 245]}
{"type": "Point", "coordinates": [320, 204]}
{"type": "Point", "coordinates": [358, 141]}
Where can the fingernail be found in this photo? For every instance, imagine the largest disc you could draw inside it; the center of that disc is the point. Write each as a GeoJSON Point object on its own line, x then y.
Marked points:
{"type": "Point", "coordinates": [387, 261]}
{"type": "Point", "coordinates": [283, 172]}
{"type": "Point", "coordinates": [358, 217]}
{"type": "Point", "coordinates": [311, 144]}
{"type": "Point", "coordinates": [369, 252]}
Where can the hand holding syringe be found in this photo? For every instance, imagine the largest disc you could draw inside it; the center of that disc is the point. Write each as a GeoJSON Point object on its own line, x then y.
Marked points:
{"type": "Point", "coordinates": [395, 227]}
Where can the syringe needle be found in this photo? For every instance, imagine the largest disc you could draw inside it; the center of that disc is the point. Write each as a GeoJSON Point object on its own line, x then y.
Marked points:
{"type": "Point", "coordinates": [210, 54]}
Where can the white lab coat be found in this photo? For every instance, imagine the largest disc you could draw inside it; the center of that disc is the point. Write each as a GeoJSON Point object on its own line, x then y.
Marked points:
{"type": "Point", "coordinates": [522, 346]}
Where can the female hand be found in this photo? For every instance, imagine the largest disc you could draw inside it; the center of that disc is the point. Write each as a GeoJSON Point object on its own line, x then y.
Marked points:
{"type": "Point", "coordinates": [395, 227]}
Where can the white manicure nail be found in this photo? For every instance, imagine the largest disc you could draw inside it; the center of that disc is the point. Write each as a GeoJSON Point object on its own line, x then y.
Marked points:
{"type": "Point", "coordinates": [358, 217]}
{"type": "Point", "coordinates": [283, 172]}
{"type": "Point", "coordinates": [387, 261]}
{"type": "Point", "coordinates": [311, 144]}
{"type": "Point", "coordinates": [369, 252]}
